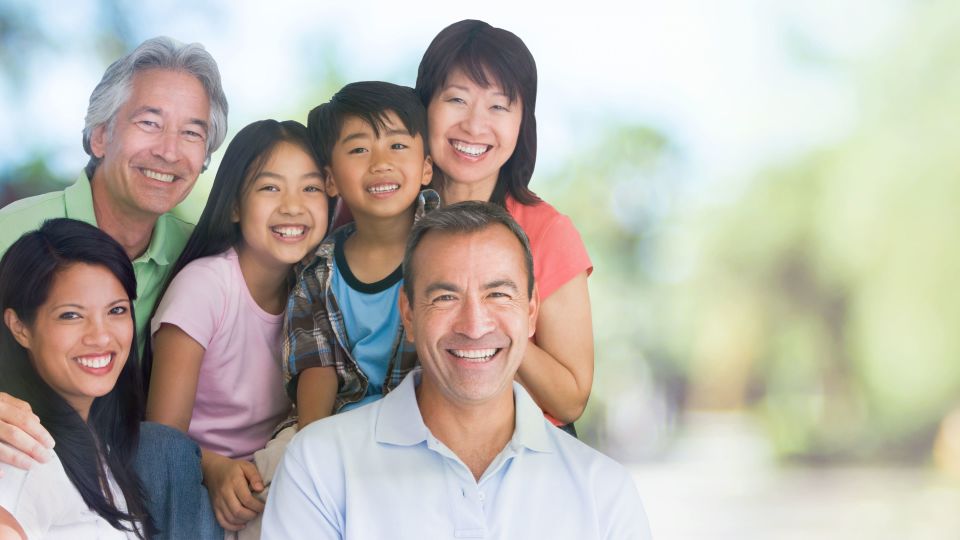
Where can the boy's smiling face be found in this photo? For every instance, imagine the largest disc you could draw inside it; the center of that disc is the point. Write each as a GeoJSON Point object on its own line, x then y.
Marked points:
{"type": "Point", "coordinates": [377, 176]}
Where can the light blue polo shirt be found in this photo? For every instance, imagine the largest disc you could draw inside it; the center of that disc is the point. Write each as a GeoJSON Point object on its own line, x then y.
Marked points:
{"type": "Point", "coordinates": [378, 472]}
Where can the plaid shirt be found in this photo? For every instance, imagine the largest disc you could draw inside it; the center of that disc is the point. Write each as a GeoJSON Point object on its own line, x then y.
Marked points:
{"type": "Point", "coordinates": [314, 331]}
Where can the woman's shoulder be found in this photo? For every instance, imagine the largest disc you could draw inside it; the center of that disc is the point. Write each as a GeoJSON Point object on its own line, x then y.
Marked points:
{"type": "Point", "coordinates": [540, 220]}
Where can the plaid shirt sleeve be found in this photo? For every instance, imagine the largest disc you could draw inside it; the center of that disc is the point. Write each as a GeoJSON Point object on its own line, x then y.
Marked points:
{"type": "Point", "coordinates": [308, 337]}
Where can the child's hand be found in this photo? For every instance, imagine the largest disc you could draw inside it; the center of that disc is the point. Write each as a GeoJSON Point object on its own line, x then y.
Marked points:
{"type": "Point", "coordinates": [229, 482]}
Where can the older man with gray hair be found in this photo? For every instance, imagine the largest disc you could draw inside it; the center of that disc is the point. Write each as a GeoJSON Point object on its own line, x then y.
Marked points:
{"type": "Point", "coordinates": [152, 124]}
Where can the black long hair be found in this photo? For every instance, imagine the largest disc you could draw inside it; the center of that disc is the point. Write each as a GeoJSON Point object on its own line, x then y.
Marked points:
{"type": "Point", "coordinates": [245, 157]}
{"type": "Point", "coordinates": [482, 52]}
{"type": "Point", "coordinates": [28, 271]}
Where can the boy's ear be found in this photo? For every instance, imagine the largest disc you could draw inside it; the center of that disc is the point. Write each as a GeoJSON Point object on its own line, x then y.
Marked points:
{"type": "Point", "coordinates": [427, 171]}
{"type": "Point", "coordinates": [328, 184]}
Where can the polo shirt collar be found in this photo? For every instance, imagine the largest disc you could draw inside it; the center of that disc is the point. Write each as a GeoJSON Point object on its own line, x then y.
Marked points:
{"type": "Point", "coordinates": [399, 421]}
{"type": "Point", "coordinates": [78, 200]}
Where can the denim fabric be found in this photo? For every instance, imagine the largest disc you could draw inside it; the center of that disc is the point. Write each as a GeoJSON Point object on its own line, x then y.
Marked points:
{"type": "Point", "coordinates": [168, 463]}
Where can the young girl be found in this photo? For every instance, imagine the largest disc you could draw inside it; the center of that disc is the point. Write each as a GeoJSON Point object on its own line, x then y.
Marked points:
{"type": "Point", "coordinates": [217, 331]}
{"type": "Point", "coordinates": [66, 292]}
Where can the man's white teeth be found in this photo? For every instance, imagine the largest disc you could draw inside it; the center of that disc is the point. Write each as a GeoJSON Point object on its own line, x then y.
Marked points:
{"type": "Point", "coordinates": [158, 176]}
{"type": "Point", "coordinates": [471, 149]}
{"type": "Point", "coordinates": [383, 188]}
{"type": "Point", "coordinates": [94, 362]}
{"type": "Point", "coordinates": [287, 232]}
{"type": "Point", "coordinates": [480, 355]}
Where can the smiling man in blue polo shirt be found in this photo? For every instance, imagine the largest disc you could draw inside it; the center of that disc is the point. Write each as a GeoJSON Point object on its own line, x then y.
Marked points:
{"type": "Point", "coordinates": [458, 450]}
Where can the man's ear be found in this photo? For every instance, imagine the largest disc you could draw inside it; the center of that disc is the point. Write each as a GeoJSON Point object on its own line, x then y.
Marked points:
{"type": "Point", "coordinates": [328, 184]}
{"type": "Point", "coordinates": [19, 330]}
{"type": "Point", "coordinates": [534, 311]}
{"type": "Point", "coordinates": [406, 315]}
{"type": "Point", "coordinates": [98, 141]}
{"type": "Point", "coordinates": [427, 171]}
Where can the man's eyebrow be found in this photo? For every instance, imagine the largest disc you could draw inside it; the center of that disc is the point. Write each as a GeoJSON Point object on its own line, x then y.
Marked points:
{"type": "Point", "coordinates": [441, 286]}
{"type": "Point", "coordinates": [159, 112]}
{"type": "Point", "coordinates": [502, 283]}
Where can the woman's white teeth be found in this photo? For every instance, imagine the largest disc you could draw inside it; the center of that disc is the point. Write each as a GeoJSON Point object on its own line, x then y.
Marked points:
{"type": "Point", "coordinates": [474, 354]}
{"type": "Point", "coordinates": [383, 188]}
{"type": "Point", "coordinates": [94, 362]}
{"type": "Point", "coordinates": [158, 176]}
{"type": "Point", "coordinates": [288, 231]}
{"type": "Point", "coordinates": [471, 149]}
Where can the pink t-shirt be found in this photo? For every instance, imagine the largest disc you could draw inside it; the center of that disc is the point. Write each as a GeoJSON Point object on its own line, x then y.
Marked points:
{"type": "Point", "coordinates": [240, 397]}
{"type": "Point", "coordinates": [558, 251]}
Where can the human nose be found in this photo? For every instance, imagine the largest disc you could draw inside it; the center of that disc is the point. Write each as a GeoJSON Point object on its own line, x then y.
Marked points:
{"type": "Point", "coordinates": [380, 162]}
{"type": "Point", "coordinates": [474, 319]}
{"type": "Point", "coordinates": [291, 202]}
{"type": "Point", "coordinates": [97, 334]}
{"type": "Point", "coordinates": [474, 120]}
{"type": "Point", "coordinates": [168, 146]}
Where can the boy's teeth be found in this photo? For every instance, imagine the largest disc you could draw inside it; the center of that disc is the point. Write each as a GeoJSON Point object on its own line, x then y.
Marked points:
{"type": "Point", "coordinates": [288, 231]}
{"type": "Point", "coordinates": [474, 354]}
{"type": "Point", "coordinates": [158, 176]}
{"type": "Point", "coordinates": [471, 149]}
{"type": "Point", "coordinates": [94, 362]}
{"type": "Point", "coordinates": [383, 188]}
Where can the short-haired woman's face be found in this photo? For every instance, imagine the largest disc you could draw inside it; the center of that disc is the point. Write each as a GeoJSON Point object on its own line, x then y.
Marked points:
{"type": "Point", "coordinates": [81, 337]}
{"type": "Point", "coordinates": [473, 130]}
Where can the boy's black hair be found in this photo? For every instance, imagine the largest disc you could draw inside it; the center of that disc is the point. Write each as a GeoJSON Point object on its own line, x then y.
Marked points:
{"type": "Point", "coordinates": [370, 101]}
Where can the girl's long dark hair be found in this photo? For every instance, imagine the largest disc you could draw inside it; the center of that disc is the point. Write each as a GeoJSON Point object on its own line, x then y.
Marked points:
{"type": "Point", "coordinates": [245, 156]}
{"type": "Point", "coordinates": [111, 434]}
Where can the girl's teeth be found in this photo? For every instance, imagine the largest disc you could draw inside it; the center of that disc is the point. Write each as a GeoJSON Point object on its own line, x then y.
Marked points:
{"type": "Point", "coordinates": [288, 231]}
{"type": "Point", "coordinates": [383, 189]}
{"type": "Point", "coordinates": [94, 362]}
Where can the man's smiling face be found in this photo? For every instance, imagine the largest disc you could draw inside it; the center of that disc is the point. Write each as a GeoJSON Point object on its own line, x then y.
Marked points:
{"type": "Point", "coordinates": [154, 147]}
{"type": "Point", "coordinates": [471, 316]}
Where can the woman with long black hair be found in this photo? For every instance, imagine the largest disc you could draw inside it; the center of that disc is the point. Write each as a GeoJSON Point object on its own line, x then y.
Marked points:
{"type": "Point", "coordinates": [66, 294]}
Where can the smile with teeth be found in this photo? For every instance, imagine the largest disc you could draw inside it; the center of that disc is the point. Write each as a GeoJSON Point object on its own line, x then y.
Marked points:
{"type": "Point", "coordinates": [383, 188]}
{"type": "Point", "coordinates": [289, 231]}
{"type": "Point", "coordinates": [94, 362]}
{"type": "Point", "coordinates": [470, 149]}
{"type": "Point", "coordinates": [162, 177]}
{"type": "Point", "coordinates": [474, 355]}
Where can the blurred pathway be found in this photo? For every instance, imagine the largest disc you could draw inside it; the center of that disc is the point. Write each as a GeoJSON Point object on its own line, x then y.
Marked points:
{"type": "Point", "coordinates": [721, 482]}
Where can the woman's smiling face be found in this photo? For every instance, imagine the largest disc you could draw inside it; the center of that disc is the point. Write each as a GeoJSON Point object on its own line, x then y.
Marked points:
{"type": "Point", "coordinates": [81, 336]}
{"type": "Point", "coordinates": [473, 131]}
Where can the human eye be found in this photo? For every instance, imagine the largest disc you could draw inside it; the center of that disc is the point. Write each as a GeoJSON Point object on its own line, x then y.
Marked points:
{"type": "Point", "coordinates": [119, 310]}
{"type": "Point", "coordinates": [68, 316]}
{"type": "Point", "coordinates": [313, 188]}
{"type": "Point", "coordinates": [443, 298]}
{"type": "Point", "coordinates": [502, 108]}
{"type": "Point", "coordinates": [270, 188]}
{"type": "Point", "coordinates": [399, 146]}
{"type": "Point", "coordinates": [193, 135]}
{"type": "Point", "coordinates": [148, 125]}
{"type": "Point", "coordinates": [357, 150]}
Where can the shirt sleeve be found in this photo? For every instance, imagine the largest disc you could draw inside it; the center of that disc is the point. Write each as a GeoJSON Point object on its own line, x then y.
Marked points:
{"type": "Point", "coordinates": [626, 516]}
{"type": "Point", "coordinates": [300, 505]}
{"type": "Point", "coordinates": [308, 337]}
{"type": "Point", "coordinates": [34, 498]}
{"type": "Point", "coordinates": [194, 302]}
{"type": "Point", "coordinates": [559, 255]}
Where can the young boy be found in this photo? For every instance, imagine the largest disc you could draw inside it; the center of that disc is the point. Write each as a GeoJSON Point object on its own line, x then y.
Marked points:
{"type": "Point", "coordinates": [344, 343]}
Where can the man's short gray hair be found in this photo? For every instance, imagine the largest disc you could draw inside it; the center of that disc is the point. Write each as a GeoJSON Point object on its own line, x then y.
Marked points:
{"type": "Point", "coordinates": [460, 218]}
{"type": "Point", "coordinates": [156, 53]}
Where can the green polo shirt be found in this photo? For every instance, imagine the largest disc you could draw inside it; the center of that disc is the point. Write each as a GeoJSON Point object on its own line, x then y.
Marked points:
{"type": "Point", "coordinates": [170, 235]}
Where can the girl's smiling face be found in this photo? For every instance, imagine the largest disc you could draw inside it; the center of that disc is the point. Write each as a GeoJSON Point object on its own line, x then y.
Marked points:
{"type": "Point", "coordinates": [283, 210]}
{"type": "Point", "coordinates": [81, 336]}
{"type": "Point", "coordinates": [473, 131]}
